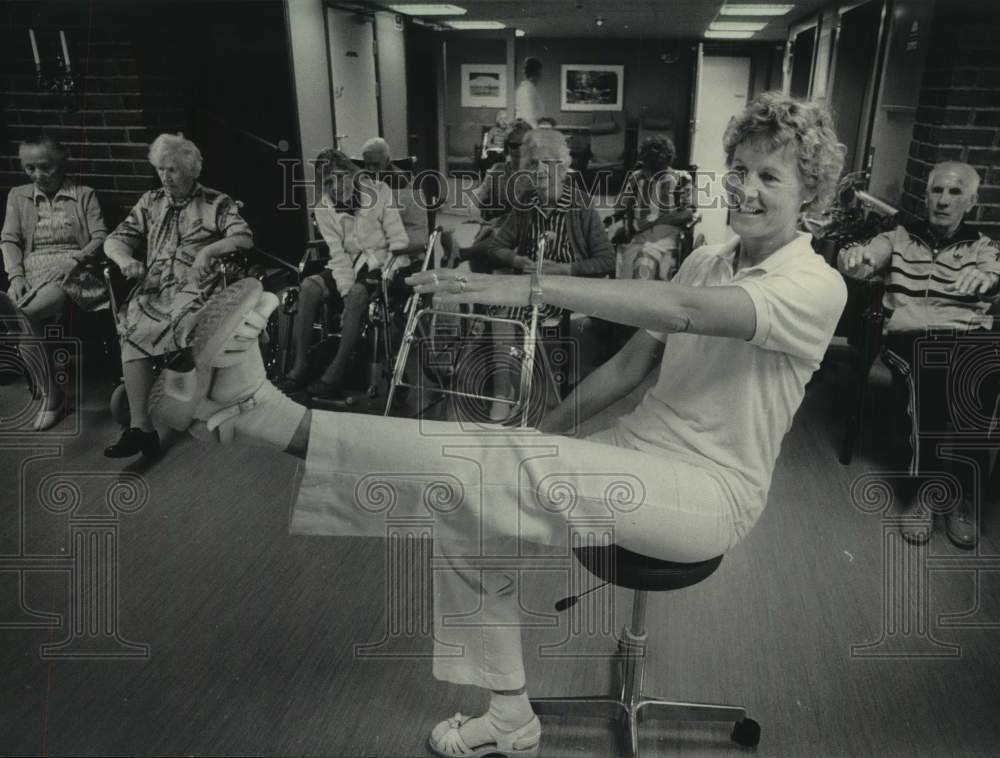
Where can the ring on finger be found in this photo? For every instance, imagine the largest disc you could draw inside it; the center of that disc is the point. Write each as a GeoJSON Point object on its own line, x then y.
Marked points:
{"type": "Point", "coordinates": [434, 277]}
{"type": "Point", "coordinates": [461, 284]}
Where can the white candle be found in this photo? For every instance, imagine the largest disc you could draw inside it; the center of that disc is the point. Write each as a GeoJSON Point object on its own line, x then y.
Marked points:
{"type": "Point", "coordinates": [34, 47]}
{"type": "Point", "coordinates": [62, 36]}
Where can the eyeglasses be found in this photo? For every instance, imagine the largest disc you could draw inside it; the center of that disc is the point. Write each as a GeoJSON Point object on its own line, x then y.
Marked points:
{"type": "Point", "coordinates": [513, 145]}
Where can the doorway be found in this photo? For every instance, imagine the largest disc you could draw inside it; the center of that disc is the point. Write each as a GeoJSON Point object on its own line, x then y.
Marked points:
{"type": "Point", "coordinates": [803, 49]}
{"type": "Point", "coordinates": [723, 86]}
{"type": "Point", "coordinates": [353, 81]}
{"type": "Point", "coordinates": [853, 77]}
{"type": "Point", "coordinates": [423, 55]}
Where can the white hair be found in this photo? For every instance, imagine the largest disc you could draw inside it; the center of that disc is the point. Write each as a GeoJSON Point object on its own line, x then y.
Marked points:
{"type": "Point", "coordinates": [377, 143]}
{"type": "Point", "coordinates": [544, 145]}
{"type": "Point", "coordinates": [967, 172]}
{"type": "Point", "coordinates": [182, 150]}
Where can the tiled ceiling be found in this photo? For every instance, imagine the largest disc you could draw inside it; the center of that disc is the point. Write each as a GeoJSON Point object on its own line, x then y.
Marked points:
{"type": "Point", "coordinates": [684, 19]}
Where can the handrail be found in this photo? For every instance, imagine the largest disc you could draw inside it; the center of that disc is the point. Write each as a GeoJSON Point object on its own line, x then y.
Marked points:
{"type": "Point", "coordinates": [879, 206]}
{"type": "Point", "coordinates": [281, 146]}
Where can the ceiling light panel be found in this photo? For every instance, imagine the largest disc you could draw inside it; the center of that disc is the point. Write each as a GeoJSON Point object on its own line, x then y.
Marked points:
{"type": "Point", "coordinates": [472, 25]}
{"type": "Point", "coordinates": [429, 9]}
{"type": "Point", "coordinates": [755, 9]}
{"type": "Point", "coordinates": [736, 26]}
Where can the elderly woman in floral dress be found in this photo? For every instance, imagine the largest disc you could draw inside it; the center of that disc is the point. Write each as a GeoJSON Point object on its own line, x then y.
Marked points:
{"type": "Point", "coordinates": [184, 228]}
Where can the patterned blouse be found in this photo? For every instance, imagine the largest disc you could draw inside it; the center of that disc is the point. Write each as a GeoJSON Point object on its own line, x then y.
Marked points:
{"type": "Point", "coordinates": [161, 309]}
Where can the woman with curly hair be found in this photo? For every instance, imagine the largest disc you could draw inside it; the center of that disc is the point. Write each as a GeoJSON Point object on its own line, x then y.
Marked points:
{"type": "Point", "coordinates": [655, 201]}
{"type": "Point", "coordinates": [183, 228]}
{"type": "Point", "coordinates": [737, 334]}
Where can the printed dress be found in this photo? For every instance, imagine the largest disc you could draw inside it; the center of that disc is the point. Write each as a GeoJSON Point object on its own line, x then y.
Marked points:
{"type": "Point", "coordinates": [162, 308]}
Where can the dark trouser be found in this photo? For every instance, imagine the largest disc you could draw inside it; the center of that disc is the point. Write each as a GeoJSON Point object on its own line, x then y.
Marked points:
{"type": "Point", "coordinates": [950, 385]}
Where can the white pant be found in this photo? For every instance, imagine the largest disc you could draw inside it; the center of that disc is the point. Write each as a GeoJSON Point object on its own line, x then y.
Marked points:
{"type": "Point", "coordinates": [487, 492]}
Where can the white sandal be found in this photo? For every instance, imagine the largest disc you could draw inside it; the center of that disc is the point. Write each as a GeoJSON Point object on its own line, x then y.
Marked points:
{"type": "Point", "coordinates": [446, 740]}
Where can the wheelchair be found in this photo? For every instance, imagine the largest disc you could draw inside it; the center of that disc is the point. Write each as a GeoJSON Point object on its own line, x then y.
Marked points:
{"type": "Point", "coordinates": [371, 369]}
{"type": "Point", "coordinates": [688, 240]}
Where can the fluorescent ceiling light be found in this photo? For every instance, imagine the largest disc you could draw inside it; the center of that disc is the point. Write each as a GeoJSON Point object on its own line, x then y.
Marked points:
{"type": "Point", "coordinates": [429, 9]}
{"type": "Point", "coordinates": [737, 26]}
{"type": "Point", "coordinates": [470, 25]}
{"type": "Point", "coordinates": [755, 10]}
{"type": "Point", "coordinates": [728, 35]}
{"type": "Point", "coordinates": [519, 32]}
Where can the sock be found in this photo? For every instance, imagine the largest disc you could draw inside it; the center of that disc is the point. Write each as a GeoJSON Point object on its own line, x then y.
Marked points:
{"type": "Point", "coordinates": [510, 711]}
{"type": "Point", "coordinates": [506, 713]}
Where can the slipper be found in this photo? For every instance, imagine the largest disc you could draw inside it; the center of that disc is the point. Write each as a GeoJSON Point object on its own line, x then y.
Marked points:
{"type": "Point", "coordinates": [446, 740]}
{"type": "Point", "coordinates": [289, 383]}
{"type": "Point", "coordinates": [175, 396]}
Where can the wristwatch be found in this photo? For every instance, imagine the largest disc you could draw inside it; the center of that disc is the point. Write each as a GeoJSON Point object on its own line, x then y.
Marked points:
{"type": "Point", "coordinates": [537, 296]}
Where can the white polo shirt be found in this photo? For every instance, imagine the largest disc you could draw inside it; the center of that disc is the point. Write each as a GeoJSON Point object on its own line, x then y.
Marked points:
{"type": "Point", "coordinates": [726, 403]}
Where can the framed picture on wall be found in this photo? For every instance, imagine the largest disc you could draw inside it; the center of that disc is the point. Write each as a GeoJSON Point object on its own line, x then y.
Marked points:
{"type": "Point", "coordinates": [484, 85]}
{"type": "Point", "coordinates": [592, 87]}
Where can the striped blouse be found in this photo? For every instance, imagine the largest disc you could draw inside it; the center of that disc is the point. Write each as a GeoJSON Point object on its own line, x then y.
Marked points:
{"type": "Point", "coordinates": [543, 221]}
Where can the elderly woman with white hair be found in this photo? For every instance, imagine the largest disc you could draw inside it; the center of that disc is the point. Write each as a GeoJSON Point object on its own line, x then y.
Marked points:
{"type": "Point", "coordinates": [184, 228]}
{"type": "Point", "coordinates": [579, 246]}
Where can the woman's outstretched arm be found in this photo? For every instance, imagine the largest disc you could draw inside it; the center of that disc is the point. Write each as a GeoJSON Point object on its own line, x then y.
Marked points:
{"type": "Point", "coordinates": [607, 384]}
{"type": "Point", "coordinates": [659, 306]}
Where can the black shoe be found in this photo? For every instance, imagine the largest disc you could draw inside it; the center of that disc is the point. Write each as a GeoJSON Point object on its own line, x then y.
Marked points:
{"type": "Point", "coordinates": [132, 442]}
{"type": "Point", "coordinates": [324, 390]}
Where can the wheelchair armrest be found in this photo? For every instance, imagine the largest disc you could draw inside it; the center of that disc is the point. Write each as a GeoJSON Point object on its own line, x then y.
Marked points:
{"type": "Point", "coordinates": [412, 249]}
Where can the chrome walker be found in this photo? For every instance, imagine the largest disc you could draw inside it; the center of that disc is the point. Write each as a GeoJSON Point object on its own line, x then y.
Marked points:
{"type": "Point", "coordinates": [416, 315]}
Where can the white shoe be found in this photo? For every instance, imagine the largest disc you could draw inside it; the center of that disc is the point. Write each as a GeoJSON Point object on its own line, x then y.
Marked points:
{"type": "Point", "coordinates": [225, 341]}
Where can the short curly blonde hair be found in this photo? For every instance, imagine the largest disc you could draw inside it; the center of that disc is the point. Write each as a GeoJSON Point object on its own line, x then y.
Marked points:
{"type": "Point", "coordinates": [176, 146]}
{"type": "Point", "coordinates": [774, 120]}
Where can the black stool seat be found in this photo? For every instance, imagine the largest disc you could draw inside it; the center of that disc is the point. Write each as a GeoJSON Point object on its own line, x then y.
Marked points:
{"type": "Point", "coordinates": [640, 572]}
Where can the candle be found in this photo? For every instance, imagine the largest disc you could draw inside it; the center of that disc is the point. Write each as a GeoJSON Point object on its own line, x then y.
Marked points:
{"type": "Point", "coordinates": [62, 36]}
{"type": "Point", "coordinates": [34, 48]}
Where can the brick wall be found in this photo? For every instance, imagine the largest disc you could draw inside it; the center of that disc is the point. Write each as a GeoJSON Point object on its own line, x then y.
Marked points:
{"type": "Point", "coordinates": [105, 128]}
{"type": "Point", "coordinates": [217, 71]}
{"type": "Point", "coordinates": [958, 117]}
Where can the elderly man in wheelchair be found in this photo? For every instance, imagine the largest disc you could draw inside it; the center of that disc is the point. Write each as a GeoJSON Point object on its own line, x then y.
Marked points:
{"type": "Point", "coordinates": [361, 225]}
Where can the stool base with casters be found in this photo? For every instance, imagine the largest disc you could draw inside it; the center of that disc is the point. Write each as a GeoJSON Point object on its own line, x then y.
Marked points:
{"type": "Point", "coordinates": [629, 705]}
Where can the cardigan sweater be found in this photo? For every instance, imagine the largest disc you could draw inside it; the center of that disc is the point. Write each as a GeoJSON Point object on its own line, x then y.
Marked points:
{"type": "Point", "coordinates": [593, 254]}
{"type": "Point", "coordinates": [21, 217]}
{"type": "Point", "coordinates": [364, 237]}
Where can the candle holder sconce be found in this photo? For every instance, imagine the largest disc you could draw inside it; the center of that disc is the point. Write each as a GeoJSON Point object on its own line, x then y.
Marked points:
{"type": "Point", "coordinates": [63, 83]}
